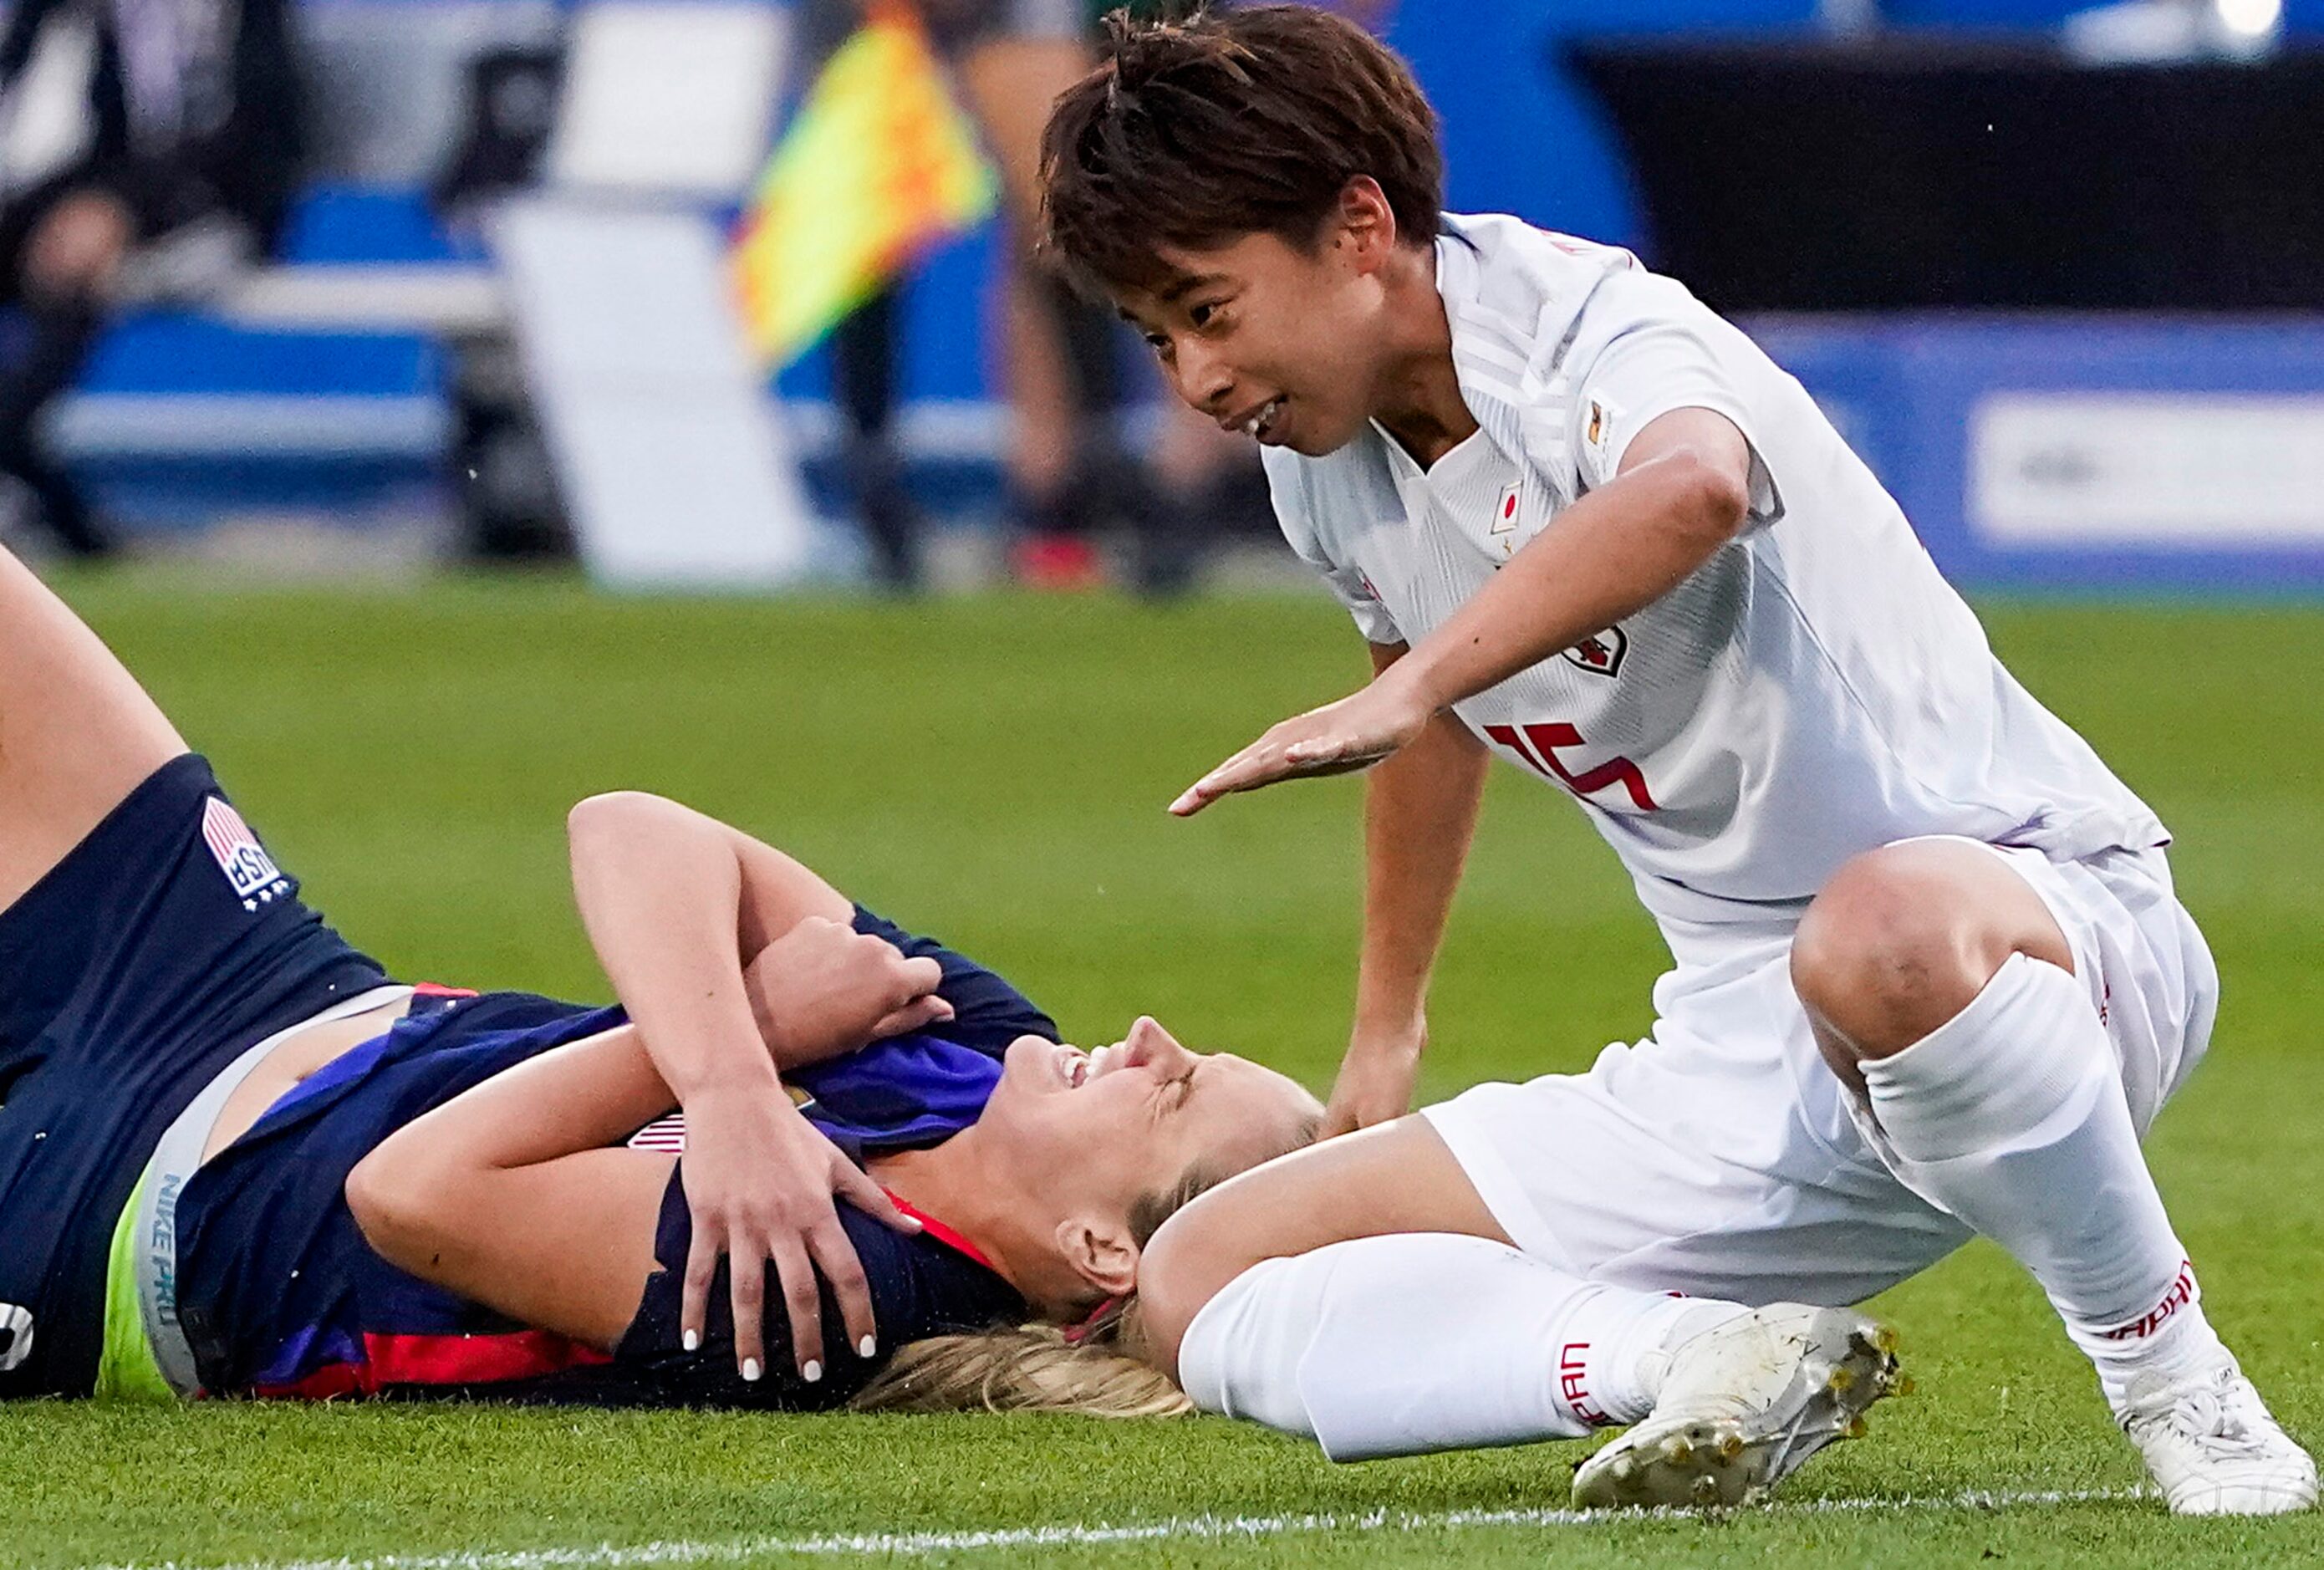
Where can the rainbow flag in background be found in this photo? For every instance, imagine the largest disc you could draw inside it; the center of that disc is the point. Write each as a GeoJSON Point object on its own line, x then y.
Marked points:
{"type": "Point", "coordinates": [878, 165]}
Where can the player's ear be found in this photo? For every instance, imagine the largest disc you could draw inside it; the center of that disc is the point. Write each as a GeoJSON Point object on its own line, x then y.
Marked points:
{"type": "Point", "coordinates": [1102, 1253]}
{"type": "Point", "coordinates": [1363, 224]}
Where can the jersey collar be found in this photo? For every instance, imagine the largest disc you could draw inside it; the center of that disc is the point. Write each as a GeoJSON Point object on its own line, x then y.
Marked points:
{"type": "Point", "coordinates": [941, 1233]}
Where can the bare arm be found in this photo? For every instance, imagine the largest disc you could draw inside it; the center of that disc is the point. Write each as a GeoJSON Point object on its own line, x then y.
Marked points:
{"type": "Point", "coordinates": [512, 1194]}
{"type": "Point", "coordinates": [687, 915]}
{"type": "Point", "coordinates": [1683, 491]}
{"type": "Point", "coordinates": [515, 1193]}
{"type": "Point", "coordinates": [679, 906]}
{"type": "Point", "coordinates": [1420, 812]}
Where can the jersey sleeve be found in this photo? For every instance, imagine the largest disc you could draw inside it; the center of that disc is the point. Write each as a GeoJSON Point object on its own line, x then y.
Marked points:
{"type": "Point", "coordinates": [987, 1013]}
{"type": "Point", "coordinates": [1286, 489]}
{"type": "Point", "coordinates": [1646, 350]}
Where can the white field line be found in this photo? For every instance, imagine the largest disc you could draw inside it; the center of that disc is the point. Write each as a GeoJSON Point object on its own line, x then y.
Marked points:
{"type": "Point", "coordinates": [737, 1550]}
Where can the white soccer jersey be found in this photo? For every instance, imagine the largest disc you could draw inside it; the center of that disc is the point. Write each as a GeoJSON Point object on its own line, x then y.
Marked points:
{"type": "Point", "coordinates": [1814, 690]}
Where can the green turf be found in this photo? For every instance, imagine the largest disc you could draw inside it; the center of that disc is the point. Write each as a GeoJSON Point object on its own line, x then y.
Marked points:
{"type": "Point", "coordinates": [995, 770]}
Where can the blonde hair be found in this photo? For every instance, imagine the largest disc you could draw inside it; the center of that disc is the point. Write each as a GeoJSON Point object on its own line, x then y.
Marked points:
{"type": "Point", "coordinates": [1100, 1367]}
{"type": "Point", "coordinates": [1097, 1368]}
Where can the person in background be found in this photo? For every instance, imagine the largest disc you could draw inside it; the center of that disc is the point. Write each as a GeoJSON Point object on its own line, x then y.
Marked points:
{"type": "Point", "coordinates": [1067, 466]}
{"type": "Point", "coordinates": [186, 161]}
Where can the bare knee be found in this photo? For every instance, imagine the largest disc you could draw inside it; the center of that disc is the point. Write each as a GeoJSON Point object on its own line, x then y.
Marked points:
{"type": "Point", "coordinates": [1905, 936]}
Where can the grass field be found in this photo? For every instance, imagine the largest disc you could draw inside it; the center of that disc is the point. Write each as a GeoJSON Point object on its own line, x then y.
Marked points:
{"type": "Point", "coordinates": [995, 770]}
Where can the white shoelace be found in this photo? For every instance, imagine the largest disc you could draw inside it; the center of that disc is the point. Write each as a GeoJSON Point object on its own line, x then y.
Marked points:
{"type": "Point", "coordinates": [2209, 1414]}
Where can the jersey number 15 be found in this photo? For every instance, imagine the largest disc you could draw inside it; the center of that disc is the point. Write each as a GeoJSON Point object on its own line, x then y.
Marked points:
{"type": "Point", "coordinates": [1537, 747]}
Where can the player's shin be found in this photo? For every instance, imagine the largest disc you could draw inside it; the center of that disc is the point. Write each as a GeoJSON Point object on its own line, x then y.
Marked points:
{"type": "Point", "coordinates": [2011, 1116]}
{"type": "Point", "coordinates": [1420, 1342]}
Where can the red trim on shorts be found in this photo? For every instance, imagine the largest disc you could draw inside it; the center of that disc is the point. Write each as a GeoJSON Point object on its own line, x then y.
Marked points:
{"type": "Point", "coordinates": [438, 989]}
{"type": "Point", "coordinates": [475, 1360]}
{"type": "Point", "coordinates": [943, 1234]}
{"type": "Point", "coordinates": [441, 1360]}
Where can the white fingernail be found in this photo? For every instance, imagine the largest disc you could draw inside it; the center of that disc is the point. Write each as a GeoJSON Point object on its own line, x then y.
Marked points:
{"type": "Point", "coordinates": [751, 1371]}
{"type": "Point", "coordinates": [868, 1347]}
{"type": "Point", "coordinates": [812, 1372]}
{"type": "Point", "coordinates": [691, 1341]}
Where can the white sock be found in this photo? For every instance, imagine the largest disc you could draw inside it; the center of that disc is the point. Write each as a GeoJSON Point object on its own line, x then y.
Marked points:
{"type": "Point", "coordinates": [2011, 1116]}
{"type": "Point", "coordinates": [1417, 1342]}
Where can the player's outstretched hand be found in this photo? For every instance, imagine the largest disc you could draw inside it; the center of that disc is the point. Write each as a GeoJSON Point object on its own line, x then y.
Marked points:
{"type": "Point", "coordinates": [1355, 733]}
{"type": "Point", "coordinates": [824, 988]}
{"type": "Point", "coordinates": [760, 1183]}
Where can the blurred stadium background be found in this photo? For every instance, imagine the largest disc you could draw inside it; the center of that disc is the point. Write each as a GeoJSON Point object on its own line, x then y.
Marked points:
{"type": "Point", "coordinates": [2055, 271]}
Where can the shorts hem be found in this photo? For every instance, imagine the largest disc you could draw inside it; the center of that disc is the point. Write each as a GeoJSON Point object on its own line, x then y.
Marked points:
{"type": "Point", "coordinates": [2071, 923]}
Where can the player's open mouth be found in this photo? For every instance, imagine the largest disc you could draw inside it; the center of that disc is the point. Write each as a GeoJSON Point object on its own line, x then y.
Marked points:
{"type": "Point", "coordinates": [1260, 420]}
{"type": "Point", "coordinates": [1076, 1067]}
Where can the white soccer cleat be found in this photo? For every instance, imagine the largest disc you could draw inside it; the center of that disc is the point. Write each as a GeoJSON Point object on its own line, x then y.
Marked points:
{"type": "Point", "coordinates": [1742, 1405]}
{"type": "Point", "coordinates": [2212, 1447]}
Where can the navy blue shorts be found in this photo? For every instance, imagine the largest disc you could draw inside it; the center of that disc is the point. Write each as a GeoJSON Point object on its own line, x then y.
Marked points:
{"type": "Point", "coordinates": [159, 950]}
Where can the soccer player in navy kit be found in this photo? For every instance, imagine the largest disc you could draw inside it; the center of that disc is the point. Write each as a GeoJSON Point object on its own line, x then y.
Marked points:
{"type": "Point", "coordinates": [236, 1157]}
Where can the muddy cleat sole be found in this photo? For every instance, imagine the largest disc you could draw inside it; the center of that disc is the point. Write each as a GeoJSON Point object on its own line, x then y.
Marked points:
{"type": "Point", "coordinates": [1741, 1406]}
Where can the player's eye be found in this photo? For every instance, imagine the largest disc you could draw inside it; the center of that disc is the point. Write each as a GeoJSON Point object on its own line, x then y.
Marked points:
{"type": "Point", "coordinates": [1206, 315]}
{"type": "Point", "coordinates": [1159, 343]}
{"type": "Point", "coordinates": [1170, 1095]}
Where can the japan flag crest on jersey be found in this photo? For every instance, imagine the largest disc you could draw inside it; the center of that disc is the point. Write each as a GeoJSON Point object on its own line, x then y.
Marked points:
{"type": "Point", "coordinates": [1505, 514]}
{"type": "Point", "coordinates": [247, 867]}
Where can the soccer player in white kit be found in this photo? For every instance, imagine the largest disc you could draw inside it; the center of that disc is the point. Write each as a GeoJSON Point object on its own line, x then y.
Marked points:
{"type": "Point", "coordinates": [1929, 977]}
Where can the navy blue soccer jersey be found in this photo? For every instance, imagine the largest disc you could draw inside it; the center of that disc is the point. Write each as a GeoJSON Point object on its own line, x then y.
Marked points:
{"type": "Point", "coordinates": [280, 1295]}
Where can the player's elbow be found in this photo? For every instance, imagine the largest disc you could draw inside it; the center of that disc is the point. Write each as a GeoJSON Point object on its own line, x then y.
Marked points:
{"type": "Point", "coordinates": [399, 1199]}
{"type": "Point", "coordinates": [607, 836]}
{"type": "Point", "coordinates": [1172, 1288]}
{"type": "Point", "coordinates": [1711, 496]}
{"type": "Point", "coordinates": [612, 813]}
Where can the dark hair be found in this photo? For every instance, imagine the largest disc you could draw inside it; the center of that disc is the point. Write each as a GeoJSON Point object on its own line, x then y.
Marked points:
{"type": "Point", "coordinates": [1193, 134]}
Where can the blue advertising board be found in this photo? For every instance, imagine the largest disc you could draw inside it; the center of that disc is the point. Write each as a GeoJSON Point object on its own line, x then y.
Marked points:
{"type": "Point", "coordinates": [2100, 453]}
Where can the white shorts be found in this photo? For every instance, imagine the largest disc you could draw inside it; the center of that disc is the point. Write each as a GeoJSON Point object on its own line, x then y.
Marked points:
{"type": "Point", "coordinates": [1720, 1156]}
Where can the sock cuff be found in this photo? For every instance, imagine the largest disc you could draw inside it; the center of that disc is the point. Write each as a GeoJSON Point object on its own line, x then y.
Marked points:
{"type": "Point", "coordinates": [2026, 1047]}
{"type": "Point", "coordinates": [2179, 1302]}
